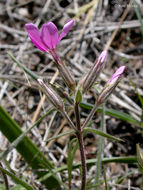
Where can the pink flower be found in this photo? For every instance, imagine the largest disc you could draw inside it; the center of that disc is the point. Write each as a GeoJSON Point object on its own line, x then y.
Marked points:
{"type": "Point", "coordinates": [101, 59]}
{"type": "Point", "coordinates": [117, 75]}
{"type": "Point", "coordinates": [47, 38]}
{"type": "Point", "coordinates": [94, 71]}
{"type": "Point", "coordinates": [111, 85]}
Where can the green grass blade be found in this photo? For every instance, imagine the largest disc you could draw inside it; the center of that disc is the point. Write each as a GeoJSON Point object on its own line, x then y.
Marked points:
{"type": "Point", "coordinates": [28, 71]}
{"type": "Point", "coordinates": [71, 154]}
{"type": "Point", "coordinates": [100, 148]}
{"type": "Point", "coordinates": [61, 135]}
{"type": "Point", "coordinates": [102, 134]}
{"type": "Point", "coordinates": [120, 179]}
{"type": "Point", "coordinates": [105, 181]}
{"type": "Point", "coordinates": [16, 179]}
{"type": "Point", "coordinates": [27, 148]}
{"type": "Point", "coordinates": [18, 187]}
{"type": "Point", "coordinates": [90, 162]}
{"type": "Point", "coordinates": [114, 113]}
{"type": "Point", "coordinates": [19, 139]}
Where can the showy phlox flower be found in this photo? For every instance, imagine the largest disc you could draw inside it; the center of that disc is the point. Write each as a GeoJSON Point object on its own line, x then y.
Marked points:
{"type": "Point", "coordinates": [48, 38]}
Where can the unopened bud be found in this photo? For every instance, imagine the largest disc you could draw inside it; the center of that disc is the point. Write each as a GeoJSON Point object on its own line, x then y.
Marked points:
{"type": "Point", "coordinates": [61, 92]}
{"type": "Point", "coordinates": [52, 95]}
{"type": "Point", "coordinates": [64, 72]}
{"type": "Point", "coordinates": [68, 79]}
{"type": "Point", "coordinates": [94, 72]}
{"type": "Point", "coordinates": [78, 97]}
{"type": "Point", "coordinates": [111, 85]}
{"type": "Point", "coordinates": [117, 75]}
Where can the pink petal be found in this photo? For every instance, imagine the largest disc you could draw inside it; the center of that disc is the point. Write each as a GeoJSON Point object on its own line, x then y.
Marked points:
{"type": "Point", "coordinates": [117, 74]}
{"type": "Point", "coordinates": [101, 59]}
{"type": "Point", "coordinates": [49, 35]}
{"type": "Point", "coordinates": [66, 29]}
{"type": "Point", "coordinates": [102, 56]}
{"type": "Point", "coordinates": [34, 35]}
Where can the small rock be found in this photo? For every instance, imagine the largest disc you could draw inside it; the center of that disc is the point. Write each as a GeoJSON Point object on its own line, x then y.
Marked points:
{"type": "Point", "coordinates": [23, 12]}
{"type": "Point", "coordinates": [30, 102]}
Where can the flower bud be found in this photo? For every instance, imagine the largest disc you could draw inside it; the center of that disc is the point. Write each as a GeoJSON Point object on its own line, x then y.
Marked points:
{"type": "Point", "coordinates": [52, 96]}
{"type": "Point", "coordinates": [64, 72]}
{"type": "Point", "coordinates": [78, 97]}
{"type": "Point", "coordinates": [111, 84]}
{"type": "Point", "coordinates": [94, 72]}
{"type": "Point", "coordinates": [61, 92]}
{"type": "Point", "coordinates": [69, 81]}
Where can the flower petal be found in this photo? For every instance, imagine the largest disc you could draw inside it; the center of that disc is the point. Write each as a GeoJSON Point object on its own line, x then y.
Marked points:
{"type": "Point", "coordinates": [34, 35]}
{"type": "Point", "coordinates": [66, 29]}
{"type": "Point", "coordinates": [117, 74]}
{"type": "Point", "coordinates": [49, 35]}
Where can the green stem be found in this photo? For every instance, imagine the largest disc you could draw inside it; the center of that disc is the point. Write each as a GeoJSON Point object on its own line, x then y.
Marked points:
{"type": "Point", "coordinates": [81, 146]}
{"type": "Point", "coordinates": [65, 115]}
{"type": "Point", "coordinates": [91, 114]}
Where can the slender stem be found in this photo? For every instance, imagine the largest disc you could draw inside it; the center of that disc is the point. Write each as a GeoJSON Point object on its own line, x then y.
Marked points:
{"type": "Point", "coordinates": [77, 116]}
{"type": "Point", "coordinates": [5, 178]}
{"type": "Point", "coordinates": [68, 120]}
{"type": "Point", "coordinates": [81, 146]}
{"type": "Point", "coordinates": [88, 119]}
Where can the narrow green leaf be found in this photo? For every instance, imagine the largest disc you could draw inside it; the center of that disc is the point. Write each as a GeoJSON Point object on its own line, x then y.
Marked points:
{"type": "Point", "coordinates": [105, 181]}
{"type": "Point", "coordinates": [18, 187]}
{"type": "Point", "coordinates": [102, 134]}
{"type": "Point", "coordinates": [114, 113]}
{"type": "Point", "coordinates": [71, 153]}
{"type": "Point", "coordinates": [19, 139]}
{"type": "Point", "coordinates": [28, 150]}
{"type": "Point", "coordinates": [124, 177]}
{"type": "Point", "coordinates": [16, 179]}
{"type": "Point", "coordinates": [61, 135]}
{"type": "Point", "coordinates": [100, 148]}
{"type": "Point", "coordinates": [90, 162]}
{"type": "Point", "coordinates": [78, 98]}
{"type": "Point", "coordinates": [28, 71]}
